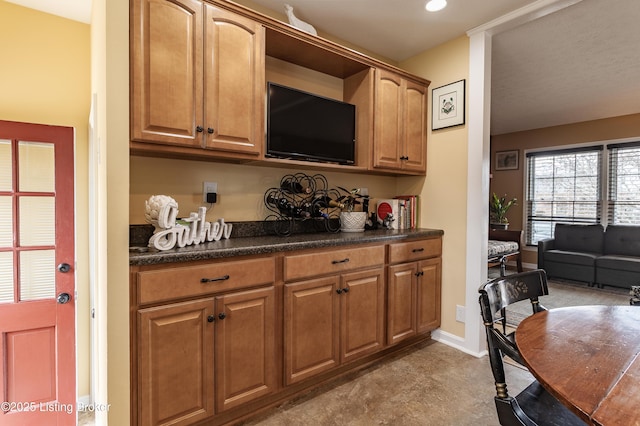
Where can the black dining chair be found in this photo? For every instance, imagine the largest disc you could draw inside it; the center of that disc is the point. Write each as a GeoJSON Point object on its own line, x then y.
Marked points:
{"type": "Point", "coordinates": [534, 405]}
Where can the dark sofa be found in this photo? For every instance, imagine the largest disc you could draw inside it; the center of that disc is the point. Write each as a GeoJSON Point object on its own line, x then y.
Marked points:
{"type": "Point", "coordinates": [589, 253]}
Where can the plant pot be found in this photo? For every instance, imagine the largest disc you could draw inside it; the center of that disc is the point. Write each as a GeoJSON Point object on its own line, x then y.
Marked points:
{"type": "Point", "coordinates": [498, 226]}
{"type": "Point", "coordinates": [352, 221]}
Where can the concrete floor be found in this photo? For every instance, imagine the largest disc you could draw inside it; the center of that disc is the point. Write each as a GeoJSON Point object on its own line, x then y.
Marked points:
{"type": "Point", "coordinates": [432, 385]}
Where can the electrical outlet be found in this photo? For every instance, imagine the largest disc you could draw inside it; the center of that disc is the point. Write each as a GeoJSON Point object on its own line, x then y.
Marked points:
{"type": "Point", "coordinates": [208, 187]}
{"type": "Point", "coordinates": [459, 313]}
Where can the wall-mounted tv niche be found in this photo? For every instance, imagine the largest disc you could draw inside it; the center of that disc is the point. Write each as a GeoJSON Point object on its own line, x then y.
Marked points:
{"type": "Point", "coordinates": [304, 126]}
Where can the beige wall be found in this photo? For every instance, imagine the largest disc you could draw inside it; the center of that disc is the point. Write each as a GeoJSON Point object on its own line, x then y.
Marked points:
{"type": "Point", "coordinates": [44, 78]}
{"type": "Point", "coordinates": [111, 83]}
{"type": "Point", "coordinates": [240, 188]}
{"type": "Point", "coordinates": [444, 191]}
{"type": "Point", "coordinates": [511, 182]}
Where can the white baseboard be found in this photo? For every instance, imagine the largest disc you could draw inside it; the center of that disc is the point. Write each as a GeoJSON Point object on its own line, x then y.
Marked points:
{"type": "Point", "coordinates": [455, 342]}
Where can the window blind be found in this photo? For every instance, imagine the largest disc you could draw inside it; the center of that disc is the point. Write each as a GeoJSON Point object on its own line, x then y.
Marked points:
{"type": "Point", "coordinates": [563, 186]}
{"type": "Point", "coordinates": [623, 195]}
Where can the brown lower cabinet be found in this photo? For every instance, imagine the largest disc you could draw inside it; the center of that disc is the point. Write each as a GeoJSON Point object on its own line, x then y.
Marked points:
{"type": "Point", "coordinates": [214, 342]}
{"type": "Point", "coordinates": [332, 320]}
{"type": "Point", "coordinates": [180, 344]}
{"type": "Point", "coordinates": [175, 363]}
{"type": "Point", "coordinates": [413, 294]}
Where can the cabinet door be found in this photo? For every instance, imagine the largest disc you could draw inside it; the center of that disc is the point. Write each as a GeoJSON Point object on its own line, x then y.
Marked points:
{"type": "Point", "coordinates": [311, 311]}
{"type": "Point", "coordinates": [175, 363]}
{"type": "Point", "coordinates": [387, 121]}
{"type": "Point", "coordinates": [166, 55]}
{"type": "Point", "coordinates": [414, 147]}
{"type": "Point", "coordinates": [245, 347]}
{"type": "Point", "coordinates": [362, 314]}
{"type": "Point", "coordinates": [428, 294]}
{"type": "Point", "coordinates": [401, 306]}
{"type": "Point", "coordinates": [234, 82]}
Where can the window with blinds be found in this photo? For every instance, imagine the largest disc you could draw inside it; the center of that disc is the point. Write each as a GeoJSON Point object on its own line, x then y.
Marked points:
{"type": "Point", "coordinates": [623, 195]}
{"type": "Point", "coordinates": [563, 186]}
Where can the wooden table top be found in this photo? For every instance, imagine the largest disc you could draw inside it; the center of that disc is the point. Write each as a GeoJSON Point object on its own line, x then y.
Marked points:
{"type": "Point", "coordinates": [588, 357]}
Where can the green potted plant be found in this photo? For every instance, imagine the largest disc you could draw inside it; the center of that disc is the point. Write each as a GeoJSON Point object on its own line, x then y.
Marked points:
{"type": "Point", "coordinates": [498, 208]}
{"type": "Point", "coordinates": [350, 220]}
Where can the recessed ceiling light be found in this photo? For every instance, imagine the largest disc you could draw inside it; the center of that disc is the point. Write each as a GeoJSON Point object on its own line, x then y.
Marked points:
{"type": "Point", "coordinates": [436, 5]}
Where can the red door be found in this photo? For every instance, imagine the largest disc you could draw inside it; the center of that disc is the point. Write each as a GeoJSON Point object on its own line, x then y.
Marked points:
{"type": "Point", "coordinates": [37, 275]}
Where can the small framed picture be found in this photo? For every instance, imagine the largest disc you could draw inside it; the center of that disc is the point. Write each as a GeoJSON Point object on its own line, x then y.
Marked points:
{"type": "Point", "coordinates": [507, 160]}
{"type": "Point", "coordinates": [447, 109]}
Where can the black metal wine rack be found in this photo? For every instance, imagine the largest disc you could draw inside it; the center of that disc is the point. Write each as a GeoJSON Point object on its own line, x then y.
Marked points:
{"type": "Point", "coordinates": [301, 197]}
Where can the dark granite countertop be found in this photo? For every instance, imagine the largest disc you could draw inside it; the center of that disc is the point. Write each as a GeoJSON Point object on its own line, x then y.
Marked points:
{"type": "Point", "coordinates": [243, 246]}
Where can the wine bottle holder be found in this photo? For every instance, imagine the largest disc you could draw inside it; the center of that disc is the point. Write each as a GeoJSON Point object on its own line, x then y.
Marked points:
{"type": "Point", "coordinates": [302, 198]}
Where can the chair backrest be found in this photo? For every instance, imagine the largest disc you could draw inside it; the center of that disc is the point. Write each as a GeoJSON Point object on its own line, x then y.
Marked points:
{"type": "Point", "coordinates": [495, 296]}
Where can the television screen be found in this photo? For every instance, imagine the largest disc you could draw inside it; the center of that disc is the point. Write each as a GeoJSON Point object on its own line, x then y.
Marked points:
{"type": "Point", "coordinates": [304, 126]}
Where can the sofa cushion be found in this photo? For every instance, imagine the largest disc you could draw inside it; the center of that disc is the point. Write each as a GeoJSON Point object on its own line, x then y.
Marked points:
{"type": "Point", "coordinates": [570, 257]}
{"type": "Point", "coordinates": [624, 263]}
{"type": "Point", "coordinates": [498, 248]}
{"type": "Point", "coordinates": [582, 238]}
{"type": "Point", "coordinates": [624, 240]}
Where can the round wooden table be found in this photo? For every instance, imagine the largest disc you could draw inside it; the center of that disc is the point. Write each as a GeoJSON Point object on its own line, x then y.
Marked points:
{"type": "Point", "coordinates": [588, 357]}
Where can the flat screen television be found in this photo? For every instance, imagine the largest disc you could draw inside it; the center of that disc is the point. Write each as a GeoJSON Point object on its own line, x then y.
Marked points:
{"type": "Point", "coordinates": [304, 126]}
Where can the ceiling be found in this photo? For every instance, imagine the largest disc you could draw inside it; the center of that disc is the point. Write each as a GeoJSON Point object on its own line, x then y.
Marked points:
{"type": "Point", "coordinates": [580, 63]}
{"type": "Point", "coordinates": [78, 10]}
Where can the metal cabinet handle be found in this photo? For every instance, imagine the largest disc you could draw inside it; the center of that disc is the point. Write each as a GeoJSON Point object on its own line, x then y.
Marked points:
{"type": "Point", "coordinates": [418, 250]}
{"type": "Point", "coordinates": [199, 129]}
{"type": "Point", "coordinates": [335, 262]}
{"type": "Point", "coordinates": [210, 280]}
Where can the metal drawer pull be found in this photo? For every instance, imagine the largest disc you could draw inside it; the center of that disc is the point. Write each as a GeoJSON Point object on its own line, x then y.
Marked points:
{"type": "Point", "coordinates": [418, 250]}
{"type": "Point", "coordinates": [210, 280]}
{"type": "Point", "coordinates": [335, 262]}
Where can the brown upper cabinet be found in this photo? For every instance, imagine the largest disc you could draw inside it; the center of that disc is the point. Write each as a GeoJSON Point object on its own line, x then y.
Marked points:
{"type": "Point", "coordinates": [198, 86]}
{"type": "Point", "coordinates": [197, 78]}
{"type": "Point", "coordinates": [400, 135]}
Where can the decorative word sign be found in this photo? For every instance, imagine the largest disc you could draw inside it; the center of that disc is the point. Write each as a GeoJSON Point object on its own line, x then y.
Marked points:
{"type": "Point", "coordinates": [162, 212]}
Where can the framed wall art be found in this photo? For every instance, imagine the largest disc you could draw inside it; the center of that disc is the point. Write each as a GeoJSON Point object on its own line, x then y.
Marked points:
{"type": "Point", "coordinates": [447, 105]}
{"type": "Point", "coordinates": [507, 160]}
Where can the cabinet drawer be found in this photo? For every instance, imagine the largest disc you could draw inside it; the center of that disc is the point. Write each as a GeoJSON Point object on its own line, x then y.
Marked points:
{"type": "Point", "coordinates": [331, 261]}
{"type": "Point", "coordinates": [188, 281]}
{"type": "Point", "coordinates": [413, 250]}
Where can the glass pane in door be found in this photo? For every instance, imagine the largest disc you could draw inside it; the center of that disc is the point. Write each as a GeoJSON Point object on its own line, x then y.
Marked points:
{"type": "Point", "coordinates": [6, 224]}
{"type": "Point", "coordinates": [6, 168]}
{"type": "Point", "coordinates": [6, 276]}
{"type": "Point", "coordinates": [37, 221]}
{"type": "Point", "coordinates": [36, 167]}
{"type": "Point", "coordinates": [37, 274]}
